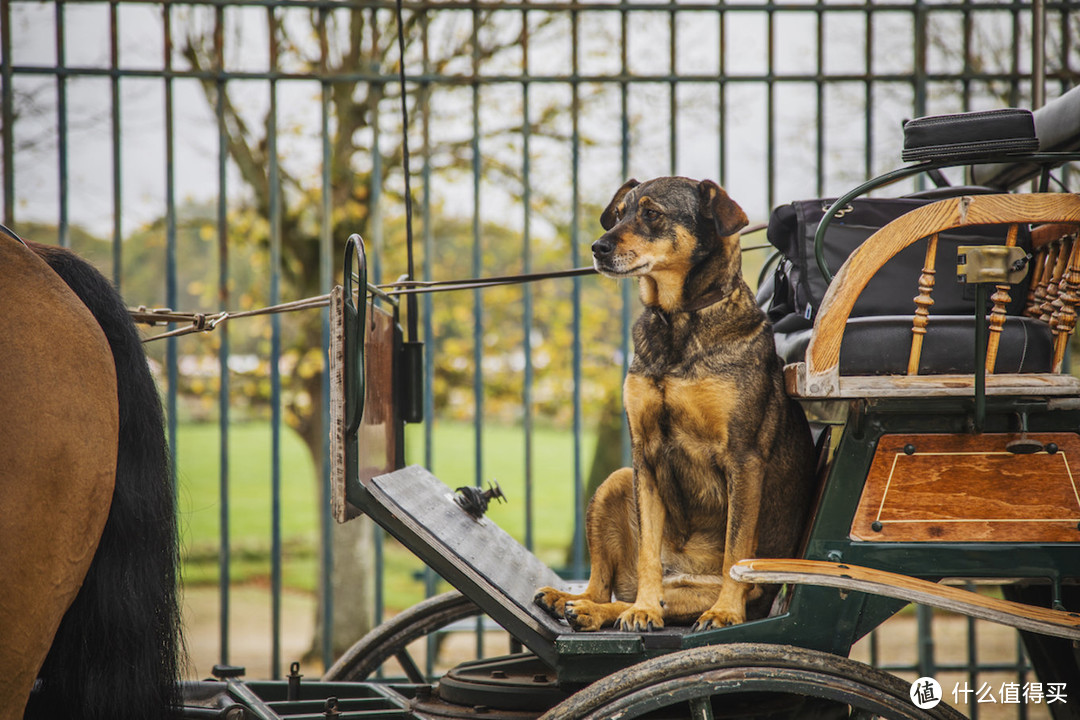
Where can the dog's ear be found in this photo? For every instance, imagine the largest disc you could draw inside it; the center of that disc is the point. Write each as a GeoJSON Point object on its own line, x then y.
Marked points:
{"type": "Point", "coordinates": [725, 213]}
{"type": "Point", "coordinates": [607, 218]}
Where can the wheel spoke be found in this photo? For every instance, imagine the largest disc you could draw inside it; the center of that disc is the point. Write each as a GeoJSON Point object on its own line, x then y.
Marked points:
{"type": "Point", "coordinates": [863, 714]}
{"type": "Point", "coordinates": [389, 640]}
{"type": "Point", "coordinates": [412, 670]}
{"type": "Point", "coordinates": [701, 708]}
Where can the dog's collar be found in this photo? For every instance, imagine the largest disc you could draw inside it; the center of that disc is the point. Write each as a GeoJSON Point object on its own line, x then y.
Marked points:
{"type": "Point", "coordinates": [707, 300]}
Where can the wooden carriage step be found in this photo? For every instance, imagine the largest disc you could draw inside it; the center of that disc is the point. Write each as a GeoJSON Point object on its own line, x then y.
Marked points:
{"type": "Point", "coordinates": [903, 587]}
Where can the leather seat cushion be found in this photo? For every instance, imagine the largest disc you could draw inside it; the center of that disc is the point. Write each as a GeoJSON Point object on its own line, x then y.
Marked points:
{"type": "Point", "coordinates": [881, 346]}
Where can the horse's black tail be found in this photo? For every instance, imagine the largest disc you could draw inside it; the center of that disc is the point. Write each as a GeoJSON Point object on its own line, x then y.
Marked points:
{"type": "Point", "coordinates": [117, 652]}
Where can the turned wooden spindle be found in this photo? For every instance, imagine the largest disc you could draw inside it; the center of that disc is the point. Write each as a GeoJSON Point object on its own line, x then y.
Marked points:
{"type": "Point", "coordinates": [1060, 263]}
{"type": "Point", "coordinates": [999, 300]}
{"type": "Point", "coordinates": [1038, 273]}
{"type": "Point", "coordinates": [1063, 321]}
{"type": "Point", "coordinates": [1049, 262]}
{"type": "Point", "coordinates": [923, 302]}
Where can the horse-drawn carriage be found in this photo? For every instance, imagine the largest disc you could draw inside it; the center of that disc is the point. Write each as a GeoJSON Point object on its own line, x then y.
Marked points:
{"type": "Point", "coordinates": [953, 462]}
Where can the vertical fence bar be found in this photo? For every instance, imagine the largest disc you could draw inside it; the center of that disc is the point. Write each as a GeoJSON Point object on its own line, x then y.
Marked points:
{"type": "Point", "coordinates": [579, 569]}
{"type": "Point", "coordinates": [477, 263]}
{"type": "Point", "coordinates": [967, 69]}
{"type": "Point", "coordinates": [117, 169]}
{"type": "Point", "coordinates": [377, 172]}
{"type": "Point", "coordinates": [1014, 65]}
{"type": "Point", "coordinates": [7, 113]}
{"type": "Point", "coordinates": [275, 353]}
{"type": "Point", "coordinates": [430, 578]}
{"type": "Point", "coordinates": [819, 92]}
{"type": "Point", "coordinates": [673, 103]}
{"type": "Point", "coordinates": [626, 287]}
{"type": "Point", "coordinates": [770, 110]}
{"type": "Point", "coordinates": [1038, 53]}
{"type": "Point", "coordinates": [1021, 675]}
{"type": "Point", "coordinates": [919, 80]}
{"type": "Point", "coordinates": [326, 282]}
{"type": "Point", "coordinates": [428, 264]}
{"type": "Point", "coordinates": [721, 125]}
{"type": "Point", "coordinates": [868, 122]}
{"type": "Point", "coordinates": [972, 660]}
{"type": "Point", "coordinates": [224, 393]}
{"type": "Point", "coordinates": [63, 230]}
{"type": "Point", "coordinates": [477, 269]}
{"type": "Point", "coordinates": [375, 258]}
{"type": "Point", "coordinates": [527, 294]}
{"type": "Point", "coordinates": [925, 618]}
{"type": "Point", "coordinates": [171, 350]}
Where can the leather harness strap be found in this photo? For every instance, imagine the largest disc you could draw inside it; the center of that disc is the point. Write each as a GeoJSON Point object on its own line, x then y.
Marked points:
{"type": "Point", "coordinates": [10, 233]}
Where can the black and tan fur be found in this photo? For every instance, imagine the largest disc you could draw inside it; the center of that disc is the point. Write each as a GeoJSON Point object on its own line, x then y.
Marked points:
{"type": "Point", "coordinates": [722, 458]}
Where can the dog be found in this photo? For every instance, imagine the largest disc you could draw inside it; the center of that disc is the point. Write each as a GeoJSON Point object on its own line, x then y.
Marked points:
{"type": "Point", "coordinates": [723, 460]}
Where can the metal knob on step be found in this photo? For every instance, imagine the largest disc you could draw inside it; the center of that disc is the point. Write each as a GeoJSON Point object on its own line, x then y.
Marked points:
{"type": "Point", "coordinates": [475, 501]}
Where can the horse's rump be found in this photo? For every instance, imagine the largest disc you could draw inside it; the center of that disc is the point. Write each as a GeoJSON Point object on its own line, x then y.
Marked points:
{"type": "Point", "coordinates": [89, 430]}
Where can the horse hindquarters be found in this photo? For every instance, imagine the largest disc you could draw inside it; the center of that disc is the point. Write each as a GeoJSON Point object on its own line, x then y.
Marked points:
{"type": "Point", "coordinates": [57, 459]}
{"type": "Point", "coordinates": [116, 653]}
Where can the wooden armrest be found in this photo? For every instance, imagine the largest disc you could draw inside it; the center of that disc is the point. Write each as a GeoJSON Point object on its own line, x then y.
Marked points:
{"type": "Point", "coordinates": [878, 582]}
{"type": "Point", "coordinates": [821, 369]}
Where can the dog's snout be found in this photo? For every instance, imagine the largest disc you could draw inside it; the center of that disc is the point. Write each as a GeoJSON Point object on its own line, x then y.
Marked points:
{"type": "Point", "coordinates": [603, 247]}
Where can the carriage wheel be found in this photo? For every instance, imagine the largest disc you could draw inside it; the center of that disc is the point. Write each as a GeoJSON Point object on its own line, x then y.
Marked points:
{"type": "Point", "coordinates": [743, 680]}
{"type": "Point", "coordinates": [391, 639]}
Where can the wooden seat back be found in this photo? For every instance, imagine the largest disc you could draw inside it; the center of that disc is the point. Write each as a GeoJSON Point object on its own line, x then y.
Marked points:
{"type": "Point", "coordinates": [1054, 297]}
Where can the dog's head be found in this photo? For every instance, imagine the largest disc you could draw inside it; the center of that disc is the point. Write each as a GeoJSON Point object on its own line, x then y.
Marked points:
{"type": "Point", "coordinates": [666, 225]}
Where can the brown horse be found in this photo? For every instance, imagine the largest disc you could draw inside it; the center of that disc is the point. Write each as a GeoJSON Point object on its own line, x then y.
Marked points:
{"type": "Point", "coordinates": [88, 547]}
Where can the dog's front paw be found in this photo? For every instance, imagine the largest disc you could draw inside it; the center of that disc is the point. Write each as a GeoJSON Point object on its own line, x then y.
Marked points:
{"type": "Point", "coordinates": [585, 615]}
{"type": "Point", "coordinates": [714, 618]}
{"type": "Point", "coordinates": [551, 600]}
{"type": "Point", "coordinates": [640, 618]}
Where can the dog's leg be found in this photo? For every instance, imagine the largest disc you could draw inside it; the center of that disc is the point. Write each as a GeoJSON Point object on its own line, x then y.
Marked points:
{"type": "Point", "coordinates": [745, 478]}
{"type": "Point", "coordinates": [647, 611]}
{"type": "Point", "coordinates": [611, 532]}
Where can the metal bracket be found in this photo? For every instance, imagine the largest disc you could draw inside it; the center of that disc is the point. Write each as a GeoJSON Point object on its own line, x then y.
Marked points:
{"type": "Point", "coordinates": [990, 264]}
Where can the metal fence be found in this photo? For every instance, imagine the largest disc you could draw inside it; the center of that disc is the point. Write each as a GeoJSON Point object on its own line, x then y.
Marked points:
{"type": "Point", "coordinates": [122, 120]}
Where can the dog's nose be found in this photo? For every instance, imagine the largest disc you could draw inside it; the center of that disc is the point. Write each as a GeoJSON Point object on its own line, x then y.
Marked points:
{"type": "Point", "coordinates": [603, 247]}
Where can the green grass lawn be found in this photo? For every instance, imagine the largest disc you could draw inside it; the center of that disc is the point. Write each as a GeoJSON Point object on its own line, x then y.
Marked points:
{"type": "Point", "coordinates": [503, 447]}
{"type": "Point", "coordinates": [453, 461]}
{"type": "Point", "coordinates": [198, 466]}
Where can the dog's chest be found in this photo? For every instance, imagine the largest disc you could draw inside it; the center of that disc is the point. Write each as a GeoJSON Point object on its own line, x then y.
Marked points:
{"type": "Point", "coordinates": [690, 414]}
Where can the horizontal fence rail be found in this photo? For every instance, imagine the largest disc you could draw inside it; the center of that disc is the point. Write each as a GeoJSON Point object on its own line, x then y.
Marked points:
{"type": "Point", "coordinates": [215, 154]}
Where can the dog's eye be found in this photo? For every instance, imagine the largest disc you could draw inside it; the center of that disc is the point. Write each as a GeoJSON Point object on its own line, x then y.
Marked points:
{"type": "Point", "coordinates": [650, 214]}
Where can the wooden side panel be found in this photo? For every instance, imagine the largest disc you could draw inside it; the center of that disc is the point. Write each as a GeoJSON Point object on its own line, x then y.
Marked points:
{"type": "Point", "coordinates": [379, 429]}
{"type": "Point", "coordinates": [376, 447]}
{"type": "Point", "coordinates": [969, 488]}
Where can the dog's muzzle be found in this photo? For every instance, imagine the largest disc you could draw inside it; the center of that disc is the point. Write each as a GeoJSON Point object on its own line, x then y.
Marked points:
{"type": "Point", "coordinates": [603, 251]}
{"type": "Point", "coordinates": [603, 248]}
